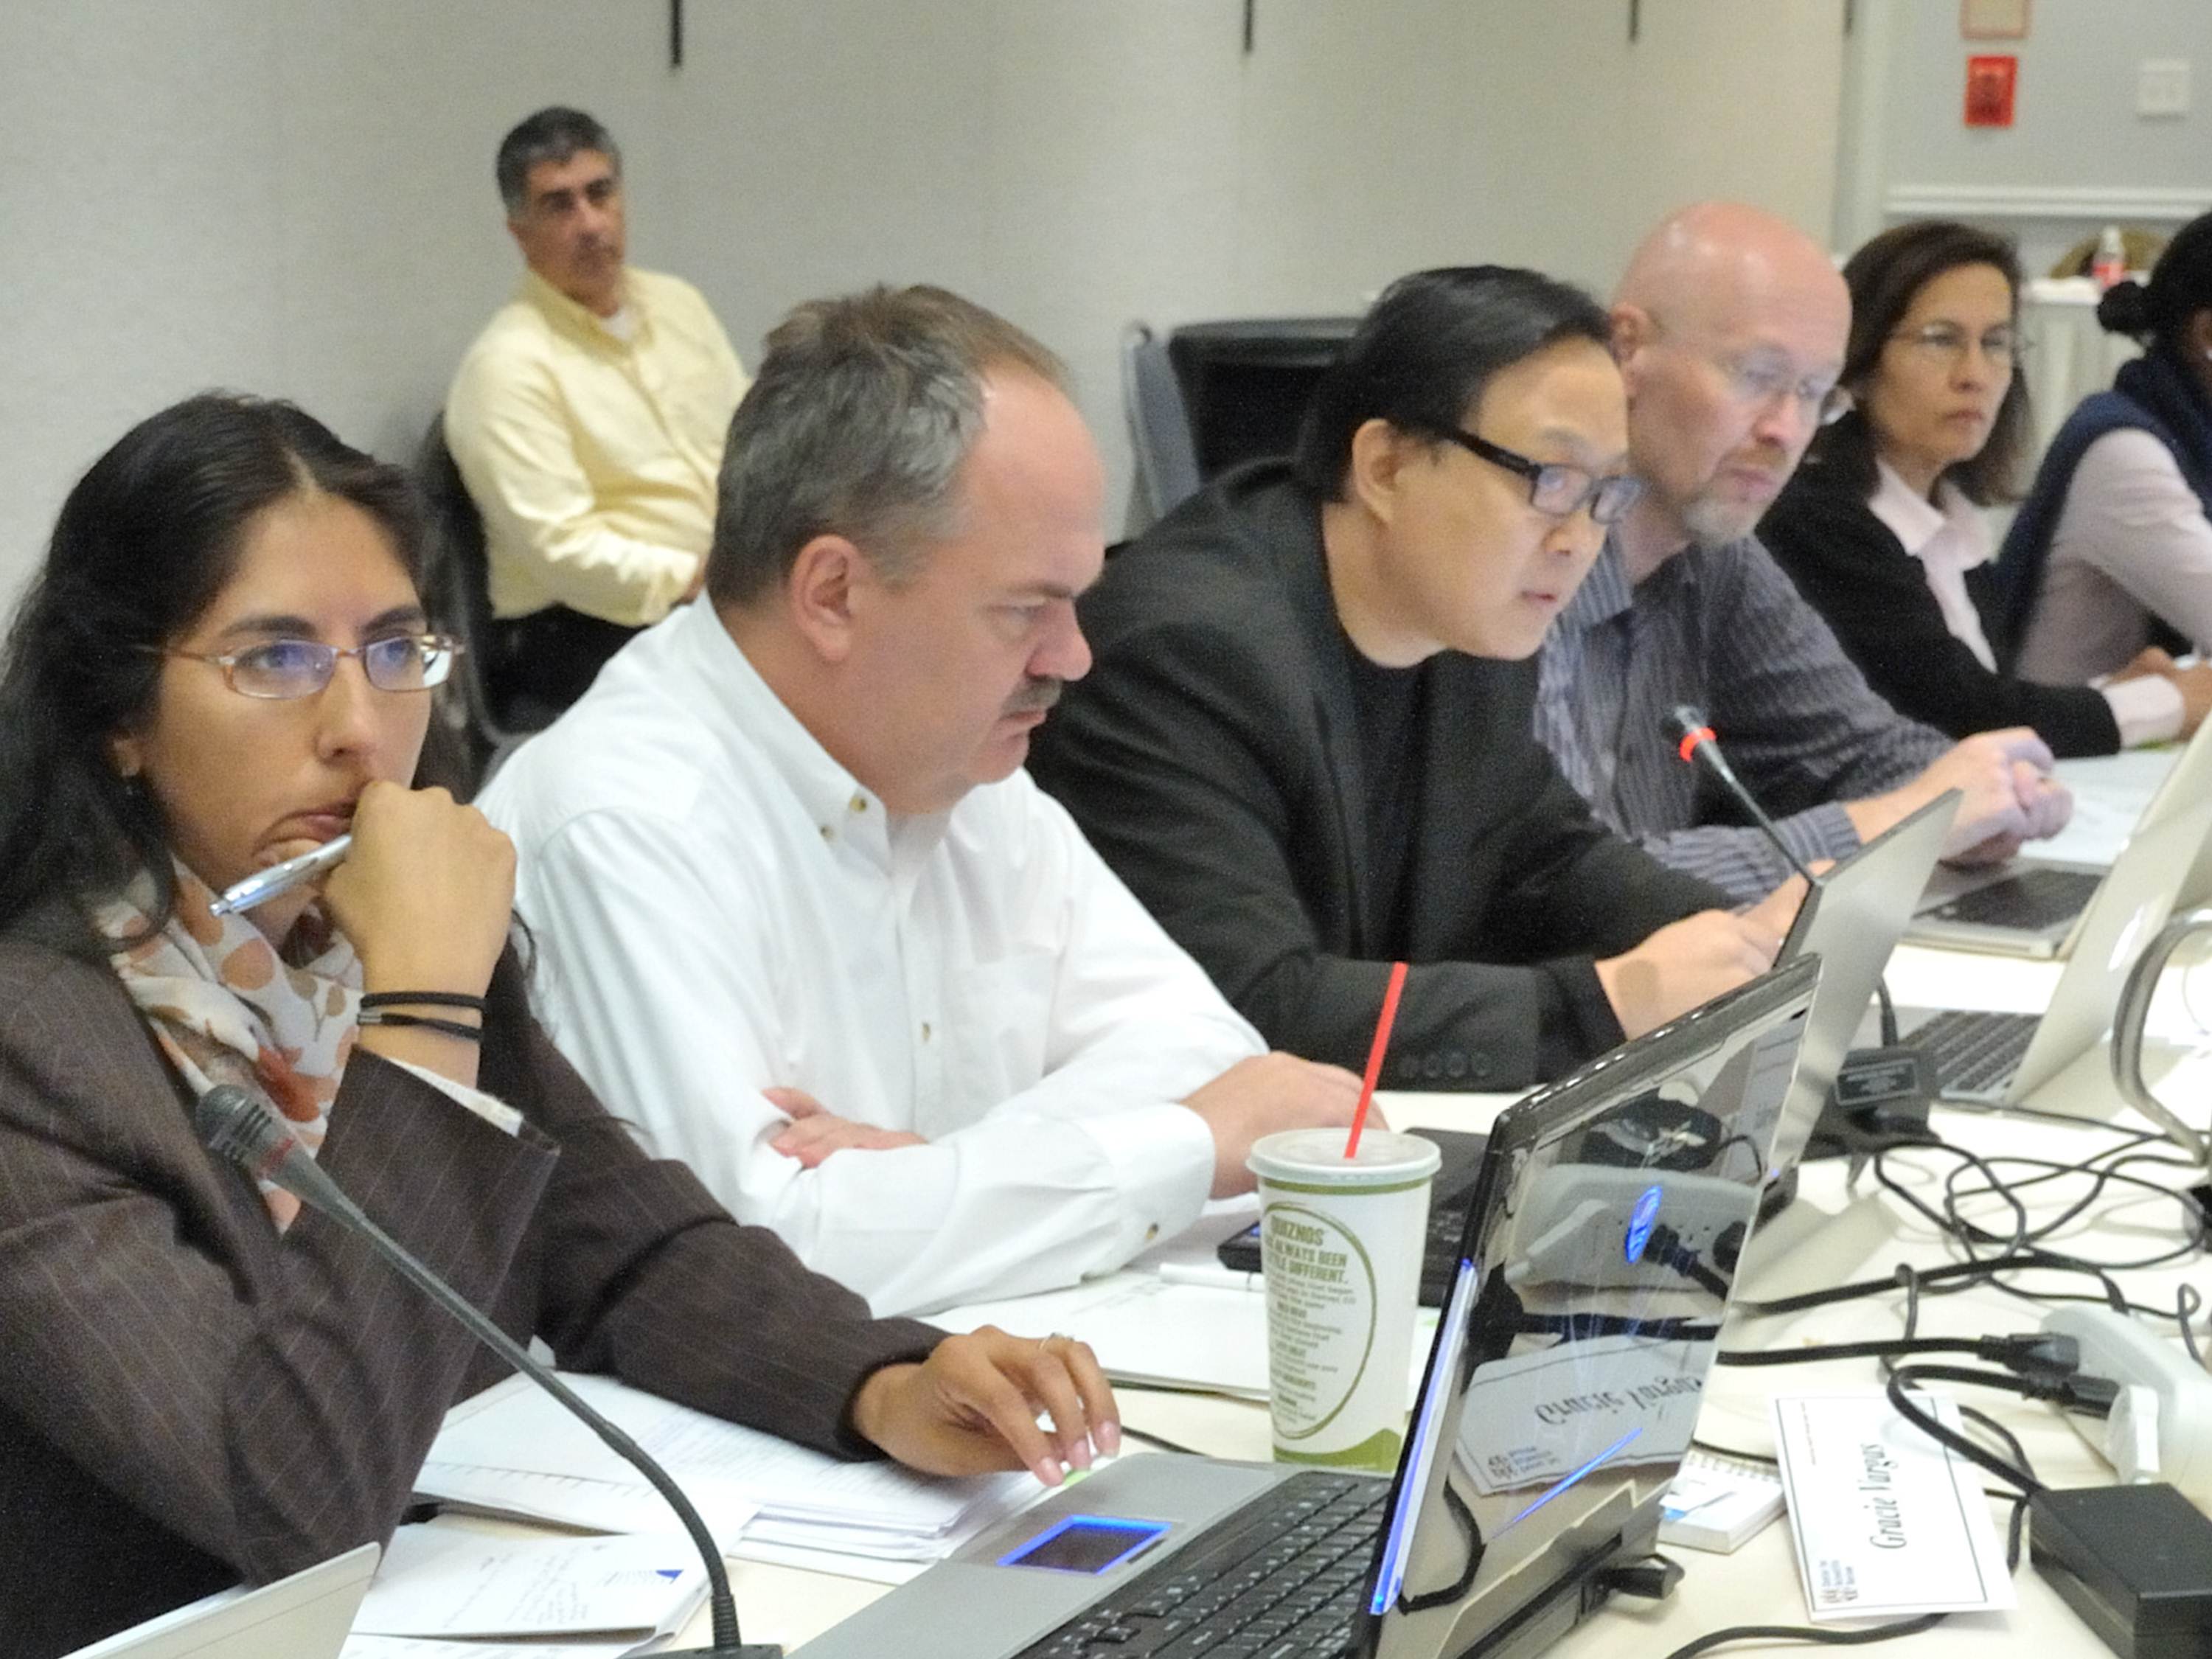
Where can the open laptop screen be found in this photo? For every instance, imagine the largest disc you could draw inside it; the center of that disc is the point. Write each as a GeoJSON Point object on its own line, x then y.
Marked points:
{"type": "Point", "coordinates": [1571, 1355]}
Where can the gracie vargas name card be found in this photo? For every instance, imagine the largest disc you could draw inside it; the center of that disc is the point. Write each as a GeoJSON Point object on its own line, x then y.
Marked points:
{"type": "Point", "coordinates": [1888, 1522]}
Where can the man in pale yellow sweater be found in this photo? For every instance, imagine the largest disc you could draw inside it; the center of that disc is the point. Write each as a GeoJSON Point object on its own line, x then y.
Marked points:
{"type": "Point", "coordinates": [587, 420]}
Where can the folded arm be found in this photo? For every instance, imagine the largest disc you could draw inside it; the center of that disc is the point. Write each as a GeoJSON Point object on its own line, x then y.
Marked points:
{"type": "Point", "coordinates": [1069, 1177]}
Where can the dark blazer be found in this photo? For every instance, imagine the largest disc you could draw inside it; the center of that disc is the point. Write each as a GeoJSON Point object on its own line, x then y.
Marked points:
{"type": "Point", "coordinates": [1852, 569]}
{"type": "Point", "coordinates": [1213, 756]}
{"type": "Point", "coordinates": [186, 1397]}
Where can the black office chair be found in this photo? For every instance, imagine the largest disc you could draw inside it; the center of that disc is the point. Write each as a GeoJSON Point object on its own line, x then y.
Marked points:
{"type": "Point", "coordinates": [456, 594]}
{"type": "Point", "coordinates": [1246, 384]}
{"type": "Point", "coordinates": [1212, 395]}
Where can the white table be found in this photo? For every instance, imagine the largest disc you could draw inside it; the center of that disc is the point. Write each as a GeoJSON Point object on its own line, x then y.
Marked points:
{"type": "Point", "coordinates": [1831, 1237]}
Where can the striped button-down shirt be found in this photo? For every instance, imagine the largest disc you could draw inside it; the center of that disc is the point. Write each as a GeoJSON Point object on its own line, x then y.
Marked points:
{"type": "Point", "coordinates": [1721, 628]}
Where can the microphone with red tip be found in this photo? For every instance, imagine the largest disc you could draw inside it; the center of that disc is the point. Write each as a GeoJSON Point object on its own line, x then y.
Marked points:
{"type": "Point", "coordinates": [1694, 741]}
{"type": "Point", "coordinates": [233, 1124]}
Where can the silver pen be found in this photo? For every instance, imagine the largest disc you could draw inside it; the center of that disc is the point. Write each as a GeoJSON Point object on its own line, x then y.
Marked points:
{"type": "Point", "coordinates": [264, 884]}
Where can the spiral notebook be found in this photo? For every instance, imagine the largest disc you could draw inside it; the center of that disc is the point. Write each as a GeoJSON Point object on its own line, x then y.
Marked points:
{"type": "Point", "coordinates": [1715, 1503]}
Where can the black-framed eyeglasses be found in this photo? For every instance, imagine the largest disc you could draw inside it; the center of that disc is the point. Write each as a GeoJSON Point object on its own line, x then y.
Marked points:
{"type": "Point", "coordinates": [300, 668]}
{"type": "Point", "coordinates": [1557, 490]}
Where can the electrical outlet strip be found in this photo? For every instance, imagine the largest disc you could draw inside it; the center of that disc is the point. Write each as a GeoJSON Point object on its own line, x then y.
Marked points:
{"type": "Point", "coordinates": [2164, 1412]}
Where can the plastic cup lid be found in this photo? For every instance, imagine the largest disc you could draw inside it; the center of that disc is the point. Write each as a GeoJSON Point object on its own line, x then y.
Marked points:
{"type": "Point", "coordinates": [1316, 1157]}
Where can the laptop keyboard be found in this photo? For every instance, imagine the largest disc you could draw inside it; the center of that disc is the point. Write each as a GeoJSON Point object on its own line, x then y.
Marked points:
{"type": "Point", "coordinates": [1280, 1579]}
{"type": "Point", "coordinates": [2030, 900]}
{"type": "Point", "coordinates": [1975, 1053]}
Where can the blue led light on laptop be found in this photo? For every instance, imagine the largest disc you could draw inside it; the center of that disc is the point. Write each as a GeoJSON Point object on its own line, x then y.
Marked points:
{"type": "Point", "coordinates": [1640, 1223]}
{"type": "Point", "coordinates": [1421, 1453]}
{"type": "Point", "coordinates": [1569, 1480]}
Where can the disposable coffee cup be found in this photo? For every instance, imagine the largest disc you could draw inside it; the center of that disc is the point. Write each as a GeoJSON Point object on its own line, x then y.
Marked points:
{"type": "Point", "coordinates": [1340, 1243]}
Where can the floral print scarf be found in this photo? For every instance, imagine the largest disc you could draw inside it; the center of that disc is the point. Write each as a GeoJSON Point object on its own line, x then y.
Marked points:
{"type": "Point", "coordinates": [226, 1008]}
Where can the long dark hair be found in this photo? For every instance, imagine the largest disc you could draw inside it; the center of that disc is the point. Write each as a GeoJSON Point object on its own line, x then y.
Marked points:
{"type": "Point", "coordinates": [1423, 355]}
{"type": "Point", "coordinates": [144, 543]}
{"type": "Point", "coordinates": [1885, 276]}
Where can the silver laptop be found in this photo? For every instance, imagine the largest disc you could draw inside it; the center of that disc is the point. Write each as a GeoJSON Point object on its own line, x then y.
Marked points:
{"type": "Point", "coordinates": [1561, 1389]}
{"type": "Point", "coordinates": [1852, 920]}
{"type": "Point", "coordinates": [2040, 907]}
{"type": "Point", "coordinates": [2055, 1060]}
{"type": "Point", "coordinates": [306, 1616]}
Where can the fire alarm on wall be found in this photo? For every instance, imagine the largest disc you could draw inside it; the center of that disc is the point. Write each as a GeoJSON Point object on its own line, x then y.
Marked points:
{"type": "Point", "coordinates": [1990, 85]}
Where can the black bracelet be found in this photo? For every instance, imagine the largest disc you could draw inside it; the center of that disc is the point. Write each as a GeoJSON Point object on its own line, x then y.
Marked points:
{"type": "Point", "coordinates": [452, 1027]}
{"type": "Point", "coordinates": [421, 999]}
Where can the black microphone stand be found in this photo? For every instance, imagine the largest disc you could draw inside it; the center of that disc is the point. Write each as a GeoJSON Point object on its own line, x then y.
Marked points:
{"type": "Point", "coordinates": [234, 1125]}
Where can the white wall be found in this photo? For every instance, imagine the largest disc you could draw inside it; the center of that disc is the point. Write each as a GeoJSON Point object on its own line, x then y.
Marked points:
{"type": "Point", "coordinates": [2077, 156]}
{"type": "Point", "coordinates": [297, 199]}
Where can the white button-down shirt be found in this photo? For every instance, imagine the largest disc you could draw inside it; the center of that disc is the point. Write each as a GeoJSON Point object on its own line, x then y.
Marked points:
{"type": "Point", "coordinates": [1950, 537]}
{"type": "Point", "coordinates": [720, 908]}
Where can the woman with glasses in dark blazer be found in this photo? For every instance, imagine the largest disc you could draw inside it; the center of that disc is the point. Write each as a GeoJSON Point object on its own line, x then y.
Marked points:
{"type": "Point", "coordinates": [223, 663]}
{"type": "Point", "coordinates": [1883, 530]}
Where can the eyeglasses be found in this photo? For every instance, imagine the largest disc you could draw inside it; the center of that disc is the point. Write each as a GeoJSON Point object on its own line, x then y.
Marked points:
{"type": "Point", "coordinates": [1952, 344]}
{"type": "Point", "coordinates": [1559, 491]}
{"type": "Point", "coordinates": [1755, 383]}
{"type": "Point", "coordinates": [300, 668]}
{"type": "Point", "coordinates": [1756, 380]}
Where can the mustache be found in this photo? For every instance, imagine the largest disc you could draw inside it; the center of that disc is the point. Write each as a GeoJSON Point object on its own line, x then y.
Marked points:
{"type": "Point", "coordinates": [1036, 696]}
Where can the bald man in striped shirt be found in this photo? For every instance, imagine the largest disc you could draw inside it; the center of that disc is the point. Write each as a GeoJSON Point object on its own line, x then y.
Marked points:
{"type": "Point", "coordinates": [1730, 326]}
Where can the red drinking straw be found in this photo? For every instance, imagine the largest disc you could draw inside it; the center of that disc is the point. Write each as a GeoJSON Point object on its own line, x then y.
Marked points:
{"type": "Point", "coordinates": [1375, 1055]}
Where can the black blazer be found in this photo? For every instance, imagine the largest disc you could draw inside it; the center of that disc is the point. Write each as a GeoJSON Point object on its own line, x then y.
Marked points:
{"type": "Point", "coordinates": [1212, 757]}
{"type": "Point", "coordinates": [1852, 568]}
{"type": "Point", "coordinates": [186, 1397]}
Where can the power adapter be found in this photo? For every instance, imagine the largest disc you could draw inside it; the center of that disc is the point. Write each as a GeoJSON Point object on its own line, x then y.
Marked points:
{"type": "Point", "coordinates": [1879, 1094]}
{"type": "Point", "coordinates": [2136, 1562]}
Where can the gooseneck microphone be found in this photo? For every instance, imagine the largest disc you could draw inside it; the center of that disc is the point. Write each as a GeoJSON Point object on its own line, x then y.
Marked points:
{"type": "Point", "coordinates": [234, 1125]}
{"type": "Point", "coordinates": [1686, 728]}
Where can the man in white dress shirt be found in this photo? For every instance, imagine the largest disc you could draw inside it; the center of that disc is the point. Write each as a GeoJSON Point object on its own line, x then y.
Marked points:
{"type": "Point", "coordinates": [804, 919]}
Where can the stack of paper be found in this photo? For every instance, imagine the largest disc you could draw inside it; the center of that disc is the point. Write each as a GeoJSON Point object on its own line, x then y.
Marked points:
{"type": "Point", "coordinates": [1145, 1331]}
{"type": "Point", "coordinates": [513, 1450]}
{"type": "Point", "coordinates": [1150, 1332]}
{"type": "Point", "coordinates": [447, 1581]}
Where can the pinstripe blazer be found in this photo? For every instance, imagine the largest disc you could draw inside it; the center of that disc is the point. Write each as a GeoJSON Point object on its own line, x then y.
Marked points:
{"type": "Point", "coordinates": [185, 1397]}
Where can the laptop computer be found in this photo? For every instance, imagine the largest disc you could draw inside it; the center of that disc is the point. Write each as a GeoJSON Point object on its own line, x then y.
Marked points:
{"type": "Point", "coordinates": [305, 1616]}
{"type": "Point", "coordinates": [2054, 1061]}
{"type": "Point", "coordinates": [2039, 907]}
{"type": "Point", "coordinates": [1851, 920]}
{"type": "Point", "coordinates": [1561, 1388]}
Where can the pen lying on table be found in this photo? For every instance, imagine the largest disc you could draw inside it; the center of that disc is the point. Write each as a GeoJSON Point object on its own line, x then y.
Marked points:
{"type": "Point", "coordinates": [264, 884]}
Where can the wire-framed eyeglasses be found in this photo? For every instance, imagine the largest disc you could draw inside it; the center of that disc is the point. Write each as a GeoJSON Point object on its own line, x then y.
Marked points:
{"type": "Point", "coordinates": [2004, 347]}
{"type": "Point", "coordinates": [1556, 490]}
{"type": "Point", "coordinates": [300, 668]}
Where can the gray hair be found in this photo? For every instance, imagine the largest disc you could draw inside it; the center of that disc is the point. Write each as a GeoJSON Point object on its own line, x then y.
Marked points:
{"type": "Point", "coordinates": [553, 134]}
{"type": "Point", "coordinates": [865, 408]}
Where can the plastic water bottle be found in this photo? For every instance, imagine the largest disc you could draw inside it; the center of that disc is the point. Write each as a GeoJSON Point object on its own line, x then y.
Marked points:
{"type": "Point", "coordinates": [2111, 263]}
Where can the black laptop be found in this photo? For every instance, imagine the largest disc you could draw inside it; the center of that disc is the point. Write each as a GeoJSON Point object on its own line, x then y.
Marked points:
{"type": "Point", "coordinates": [1561, 1389]}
